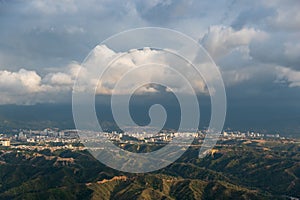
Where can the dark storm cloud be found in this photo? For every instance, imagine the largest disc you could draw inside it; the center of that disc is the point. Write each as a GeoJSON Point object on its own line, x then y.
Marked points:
{"type": "Point", "coordinates": [51, 33]}
{"type": "Point", "coordinates": [165, 12]}
{"type": "Point", "coordinates": [254, 17]}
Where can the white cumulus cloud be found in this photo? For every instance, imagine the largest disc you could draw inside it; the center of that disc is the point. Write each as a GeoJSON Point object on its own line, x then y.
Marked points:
{"type": "Point", "coordinates": [290, 76]}
{"type": "Point", "coordinates": [220, 40]}
{"type": "Point", "coordinates": [28, 87]}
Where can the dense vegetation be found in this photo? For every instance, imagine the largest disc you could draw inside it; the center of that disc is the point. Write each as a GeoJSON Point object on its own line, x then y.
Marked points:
{"type": "Point", "coordinates": [236, 170]}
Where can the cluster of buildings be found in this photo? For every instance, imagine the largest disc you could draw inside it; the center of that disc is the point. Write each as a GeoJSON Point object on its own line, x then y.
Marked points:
{"type": "Point", "coordinates": [238, 134]}
{"type": "Point", "coordinates": [165, 137]}
{"type": "Point", "coordinates": [148, 137]}
{"type": "Point", "coordinates": [40, 136]}
{"type": "Point", "coordinates": [71, 136]}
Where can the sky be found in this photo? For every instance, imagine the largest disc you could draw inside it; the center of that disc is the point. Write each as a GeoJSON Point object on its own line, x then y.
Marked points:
{"type": "Point", "coordinates": [255, 44]}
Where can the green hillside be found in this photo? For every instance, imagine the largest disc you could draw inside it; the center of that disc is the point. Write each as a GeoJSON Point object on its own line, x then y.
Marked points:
{"type": "Point", "coordinates": [269, 170]}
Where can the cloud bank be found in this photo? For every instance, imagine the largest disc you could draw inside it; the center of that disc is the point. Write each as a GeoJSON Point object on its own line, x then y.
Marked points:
{"type": "Point", "coordinates": [256, 44]}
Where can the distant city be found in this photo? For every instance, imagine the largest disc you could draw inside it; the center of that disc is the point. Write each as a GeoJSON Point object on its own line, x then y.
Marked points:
{"type": "Point", "coordinates": [56, 138]}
